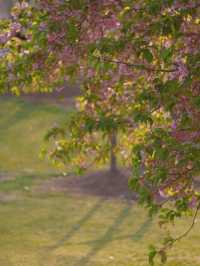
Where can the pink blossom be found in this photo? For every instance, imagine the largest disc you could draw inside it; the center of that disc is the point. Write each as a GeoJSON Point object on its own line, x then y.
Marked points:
{"type": "Point", "coordinates": [4, 38]}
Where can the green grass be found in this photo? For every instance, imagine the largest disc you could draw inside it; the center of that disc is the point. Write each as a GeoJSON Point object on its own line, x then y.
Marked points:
{"type": "Point", "coordinates": [18, 183]}
{"type": "Point", "coordinates": [60, 229]}
{"type": "Point", "coordinates": [22, 128]}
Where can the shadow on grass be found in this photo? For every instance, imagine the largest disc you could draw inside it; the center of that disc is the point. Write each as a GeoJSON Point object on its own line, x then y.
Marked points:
{"type": "Point", "coordinates": [106, 238]}
{"type": "Point", "coordinates": [142, 230]}
{"type": "Point", "coordinates": [99, 244]}
{"type": "Point", "coordinates": [109, 236]}
{"type": "Point", "coordinates": [79, 224]}
{"type": "Point", "coordinates": [137, 236]}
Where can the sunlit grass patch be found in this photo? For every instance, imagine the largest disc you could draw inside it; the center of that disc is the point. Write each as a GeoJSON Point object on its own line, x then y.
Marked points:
{"type": "Point", "coordinates": [22, 128]}
{"type": "Point", "coordinates": [58, 230]}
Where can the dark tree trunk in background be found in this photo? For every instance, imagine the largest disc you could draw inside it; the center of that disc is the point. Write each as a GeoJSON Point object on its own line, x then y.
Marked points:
{"type": "Point", "coordinates": [113, 159]}
{"type": "Point", "coordinates": [5, 8]}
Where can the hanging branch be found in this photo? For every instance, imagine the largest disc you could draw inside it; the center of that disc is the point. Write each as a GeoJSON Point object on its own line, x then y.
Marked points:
{"type": "Point", "coordinates": [191, 226]}
{"type": "Point", "coordinates": [139, 66]}
{"type": "Point", "coordinates": [171, 242]}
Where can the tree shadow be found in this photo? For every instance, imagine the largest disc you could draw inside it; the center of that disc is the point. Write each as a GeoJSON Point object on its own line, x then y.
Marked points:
{"type": "Point", "coordinates": [142, 230]}
{"type": "Point", "coordinates": [106, 238]}
{"type": "Point", "coordinates": [137, 236]}
{"type": "Point", "coordinates": [78, 224]}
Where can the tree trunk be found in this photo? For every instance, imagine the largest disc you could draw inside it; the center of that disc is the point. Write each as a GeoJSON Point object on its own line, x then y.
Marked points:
{"type": "Point", "coordinates": [113, 159]}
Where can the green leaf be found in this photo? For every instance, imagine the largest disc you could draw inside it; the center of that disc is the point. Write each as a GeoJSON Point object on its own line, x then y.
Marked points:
{"type": "Point", "coordinates": [197, 101]}
{"type": "Point", "coordinates": [142, 117]}
{"type": "Point", "coordinates": [152, 254]}
{"type": "Point", "coordinates": [76, 4]}
{"type": "Point", "coordinates": [133, 184]}
{"type": "Point", "coordinates": [171, 25]}
{"type": "Point", "coordinates": [72, 32]}
{"type": "Point", "coordinates": [89, 124]}
{"type": "Point", "coordinates": [166, 54]}
{"type": "Point", "coordinates": [155, 6]}
{"type": "Point", "coordinates": [147, 55]}
{"type": "Point", "coordinates": [162, 153]}
{"type": "Point", "coordinates": [171, 86]}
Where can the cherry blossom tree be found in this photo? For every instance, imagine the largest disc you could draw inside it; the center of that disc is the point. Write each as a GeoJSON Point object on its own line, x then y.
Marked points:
{"type": "Point", "coordinates": [138, 62]}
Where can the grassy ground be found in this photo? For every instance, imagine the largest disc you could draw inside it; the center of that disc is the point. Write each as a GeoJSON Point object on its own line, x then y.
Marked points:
{"type": "Point", "coordinates": [60, 229]}
{"type": "Point", "coordinates": [56, 229]}
{"type": "Point", "coordinates": [22, 128]}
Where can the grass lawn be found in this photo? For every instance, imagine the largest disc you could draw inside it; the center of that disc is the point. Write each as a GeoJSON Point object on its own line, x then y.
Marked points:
{"type": "Point", "coordinates": [22, 129]}
{"type": "Point", "coordinates": [60, 229]}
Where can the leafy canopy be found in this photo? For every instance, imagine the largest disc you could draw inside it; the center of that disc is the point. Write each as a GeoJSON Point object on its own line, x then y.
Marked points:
{"type": "Point", "coordinates": [138, 63]}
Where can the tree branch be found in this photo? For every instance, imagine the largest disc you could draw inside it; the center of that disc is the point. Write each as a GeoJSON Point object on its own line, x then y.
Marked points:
{"type": "Point", "coordinates": [139, 66]}
{"type": "Point", "coordinates": [173, 240]}
{"type": "Point", "coordinates": [191, 226]}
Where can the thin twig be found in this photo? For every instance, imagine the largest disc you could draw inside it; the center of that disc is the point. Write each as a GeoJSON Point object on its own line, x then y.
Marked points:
{"type": "Point", "coordinates": [191, 226]}
{"type": "Point", "coordinates": [139, 66]}
{"type": "Point", "coordinates": [170, 244]}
